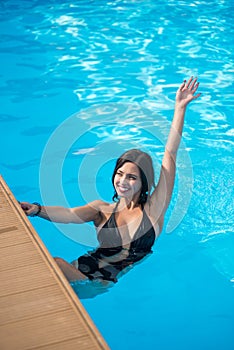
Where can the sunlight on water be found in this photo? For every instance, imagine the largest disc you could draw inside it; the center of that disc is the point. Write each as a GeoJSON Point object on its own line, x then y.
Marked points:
{"type": "Point", "coordinates": [114, 66]}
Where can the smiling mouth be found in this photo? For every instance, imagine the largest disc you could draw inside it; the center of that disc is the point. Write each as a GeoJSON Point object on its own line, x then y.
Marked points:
{"type": "Point", "coordinates": [123, 189]}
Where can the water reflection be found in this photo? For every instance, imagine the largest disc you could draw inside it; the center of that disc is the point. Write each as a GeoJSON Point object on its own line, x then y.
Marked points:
{"type": "Point", "coordinates": [89, 289]}
{"type": "Point", "coordinates": [121, 52]}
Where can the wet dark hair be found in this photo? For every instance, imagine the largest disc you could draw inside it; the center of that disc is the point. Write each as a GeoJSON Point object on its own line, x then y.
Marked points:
{"type": "Point", "coordinates": [145, 165]}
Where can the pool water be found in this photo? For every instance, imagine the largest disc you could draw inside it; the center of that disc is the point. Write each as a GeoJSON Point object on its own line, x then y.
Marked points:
{"type": "Point", "coordinates": [82, 82]}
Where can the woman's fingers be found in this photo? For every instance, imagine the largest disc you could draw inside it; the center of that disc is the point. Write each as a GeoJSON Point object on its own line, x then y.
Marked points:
{"type": "Point", "coordinates": [195, 87]}
{"type": "Point", "coordinates": [182, 85]}
{"type": "Point", "coordinates": [24, 205]}
{"type": "Point", "coordinates": [28, 208]}
{"type": "Point", "coordinates": [194, 83]}
{"type": "Point", "coordinates": [191, 83]}
{"type": "Point", "coordinates": [188, 83]}
{"type": "Point", "coordinates": [187, 90]}
{"type": "Point", "coordinates": [196, 96]}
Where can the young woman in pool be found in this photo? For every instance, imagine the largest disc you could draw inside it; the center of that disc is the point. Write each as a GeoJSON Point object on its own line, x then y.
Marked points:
{"type": "Point", "coordinates": [126, 229]}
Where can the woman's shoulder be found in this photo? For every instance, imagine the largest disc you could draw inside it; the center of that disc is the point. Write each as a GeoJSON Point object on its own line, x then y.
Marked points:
{"type": "Point", "coordinates": [104, 210]}
{"type": "Point", "coordinates": [102, 205]}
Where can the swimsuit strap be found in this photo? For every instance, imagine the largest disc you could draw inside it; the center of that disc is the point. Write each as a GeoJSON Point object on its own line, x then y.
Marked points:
{"type": "Point", "coordinates": [108, 235]}
{"type": "Point", "coordinates": [115, 208]}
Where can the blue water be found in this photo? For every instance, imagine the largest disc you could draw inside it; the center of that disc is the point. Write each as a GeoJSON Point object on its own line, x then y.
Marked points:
{"type": "Point", "coordinates": [81, 82]}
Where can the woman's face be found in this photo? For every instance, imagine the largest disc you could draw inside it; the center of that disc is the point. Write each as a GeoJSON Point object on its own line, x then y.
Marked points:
{"type": "Point", "coordinates": [127, 181]}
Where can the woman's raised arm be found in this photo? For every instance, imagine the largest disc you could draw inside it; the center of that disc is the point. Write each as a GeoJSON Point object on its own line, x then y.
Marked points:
{"type": "Point", "coordinates": [161, 196]}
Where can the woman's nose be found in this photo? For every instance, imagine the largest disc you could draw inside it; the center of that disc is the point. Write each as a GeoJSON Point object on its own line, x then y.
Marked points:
{"type": "Point", "coordinates": [122, 180]}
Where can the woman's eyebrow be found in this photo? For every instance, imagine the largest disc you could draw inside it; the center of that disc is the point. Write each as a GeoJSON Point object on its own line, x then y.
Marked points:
{"type": "Point", "coordinates": [129, 174]}
{"type": "Point", "coordinates": [132, 174]}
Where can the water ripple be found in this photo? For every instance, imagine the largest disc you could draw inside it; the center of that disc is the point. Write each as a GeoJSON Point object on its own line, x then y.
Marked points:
{"type": "Point", "coordinates": [132, 52]}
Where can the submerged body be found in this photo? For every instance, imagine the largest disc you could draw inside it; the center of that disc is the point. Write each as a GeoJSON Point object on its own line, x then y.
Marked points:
{"type": "Point", "coordinates": [112, 256]}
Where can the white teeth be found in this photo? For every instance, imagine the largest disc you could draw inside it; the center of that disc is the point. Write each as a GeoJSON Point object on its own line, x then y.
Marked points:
{"type": "Point", "coordinates": [123, 189]}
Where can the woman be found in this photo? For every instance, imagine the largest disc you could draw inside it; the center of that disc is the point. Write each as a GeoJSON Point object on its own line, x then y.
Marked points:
{"type": "Point", "coordinates": [127, 229]}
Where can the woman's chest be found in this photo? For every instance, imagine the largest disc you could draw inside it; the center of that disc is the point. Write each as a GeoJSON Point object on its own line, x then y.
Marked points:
{"type": "Point", "coordinates": [128, 225]}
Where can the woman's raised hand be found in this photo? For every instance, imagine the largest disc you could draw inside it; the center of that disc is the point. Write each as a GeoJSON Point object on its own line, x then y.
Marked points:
{"type": "Point", "coordinates": [186, 92]}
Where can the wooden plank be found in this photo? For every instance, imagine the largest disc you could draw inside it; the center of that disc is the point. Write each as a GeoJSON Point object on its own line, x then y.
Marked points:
{"type": "Point", "coordinates": [16, 238]}
{"type": "Point", "coordinates": [21, 255]}
{"type": "Point", "coordinates": [8, 241]}
{"type": "Point", "coordinates": [8, 229]}
{"type": "Point", "coordinates": [31, 303]}
{"type": "Point", "coordinates": [70, 344]}
{"type": "Point", "coordinates": [25, 278]}
{"type": "Point", "coordinates": [40, 331]}
{"type": "Point", "coordinates": [38, 307]}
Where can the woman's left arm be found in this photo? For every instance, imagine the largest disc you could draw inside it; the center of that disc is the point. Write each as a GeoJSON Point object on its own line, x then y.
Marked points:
{"type": "Point", "coordinates": [161, 196]}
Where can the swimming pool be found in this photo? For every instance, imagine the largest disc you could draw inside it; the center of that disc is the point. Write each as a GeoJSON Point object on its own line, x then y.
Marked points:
{"type": "Point", "coordinates": [105, 74]}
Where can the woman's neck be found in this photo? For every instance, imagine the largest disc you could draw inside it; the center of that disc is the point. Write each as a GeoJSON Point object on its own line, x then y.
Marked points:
{"type": "Point", "coordinates": [125, 203]}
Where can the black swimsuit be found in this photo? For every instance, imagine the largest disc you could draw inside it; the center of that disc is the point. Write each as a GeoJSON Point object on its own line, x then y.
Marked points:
{"type": "Point", "coordinates": [110, 243]}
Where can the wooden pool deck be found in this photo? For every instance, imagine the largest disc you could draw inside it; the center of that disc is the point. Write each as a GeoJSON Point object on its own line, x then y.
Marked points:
{"type": "Point", "coordinates": [38, 307]}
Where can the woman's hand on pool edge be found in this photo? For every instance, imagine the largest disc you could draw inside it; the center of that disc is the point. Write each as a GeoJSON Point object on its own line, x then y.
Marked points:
{"type": "Point", "coordinates": [186, 92]}
{"type": "Point", "coordinates": [29, 209]}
